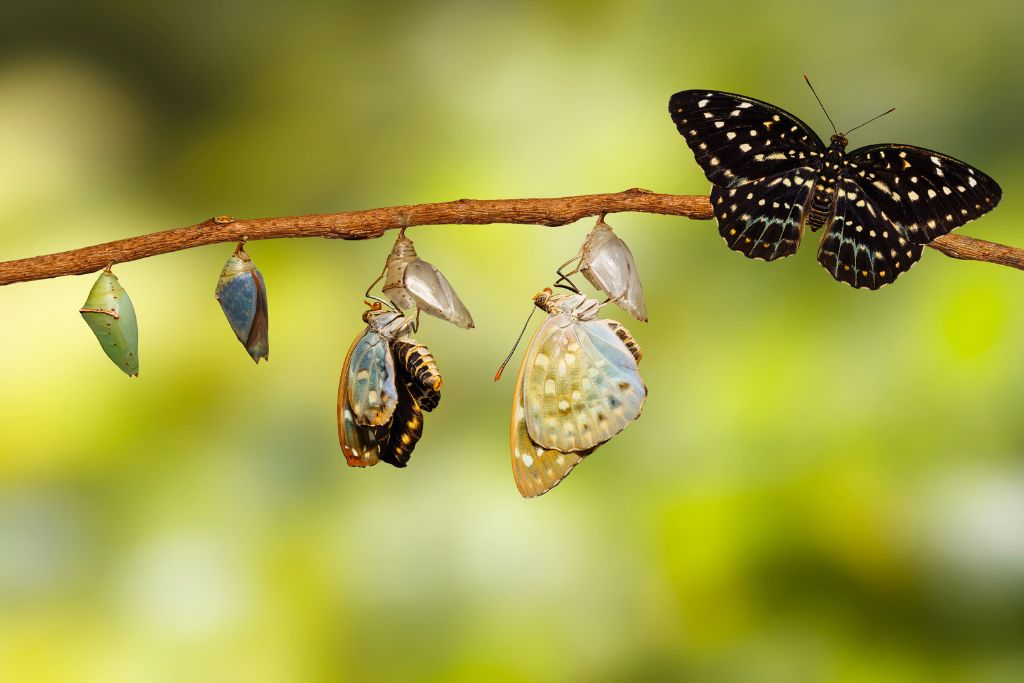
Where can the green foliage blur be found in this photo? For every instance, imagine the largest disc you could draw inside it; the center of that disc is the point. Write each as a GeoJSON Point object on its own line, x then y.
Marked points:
{"type": "Point", "coordinates": [826, 484]}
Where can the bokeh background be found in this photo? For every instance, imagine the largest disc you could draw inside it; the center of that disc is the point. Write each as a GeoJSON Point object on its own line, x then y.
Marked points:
{"type": "Point", "coordinates": [826, 484]}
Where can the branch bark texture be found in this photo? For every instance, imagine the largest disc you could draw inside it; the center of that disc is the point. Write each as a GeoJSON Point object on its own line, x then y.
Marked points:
{"type": "Point", "coordinates": [372, 223]}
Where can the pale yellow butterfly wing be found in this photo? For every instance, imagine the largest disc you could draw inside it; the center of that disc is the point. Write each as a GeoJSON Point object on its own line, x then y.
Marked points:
{"type": "Point", "coordinates": [536, 470]}
{"type": "Point", "coordinates": [581, 384]}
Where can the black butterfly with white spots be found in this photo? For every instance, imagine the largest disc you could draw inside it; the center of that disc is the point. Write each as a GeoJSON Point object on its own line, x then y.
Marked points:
{"type": "Point", "coordinates": [772, 175]}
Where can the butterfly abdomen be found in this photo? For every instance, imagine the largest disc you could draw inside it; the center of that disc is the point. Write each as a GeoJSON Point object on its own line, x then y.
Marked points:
{"type": "Point", "coordinates": [424, 377]}
{"type": "Point", "coordinates": [627, 339]}
{"type": "Point", "coordinates": [823, 199]}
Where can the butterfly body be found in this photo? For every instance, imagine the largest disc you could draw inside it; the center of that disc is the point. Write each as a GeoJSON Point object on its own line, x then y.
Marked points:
{"type": "Point", "coordinates": [578, 387]}
{"type": "Point", "coordinates": [772, 175]}
{"type": "Point", "coordinates": [823, 195]}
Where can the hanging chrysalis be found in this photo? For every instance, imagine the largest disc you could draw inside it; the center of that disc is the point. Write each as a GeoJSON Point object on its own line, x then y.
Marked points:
{"type": "Point", "coordinates": [608, 264]}
{"type": "Point", "coordinates": [411, 282]}
{"type": "Point", "coordinates": [242, 295]}
{"type": "Point", "coordinates": [111, 316]}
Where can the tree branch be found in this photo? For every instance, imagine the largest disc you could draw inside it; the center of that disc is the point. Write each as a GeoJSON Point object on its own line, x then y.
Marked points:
{"type": "Point", "coordinates": [371, 223]}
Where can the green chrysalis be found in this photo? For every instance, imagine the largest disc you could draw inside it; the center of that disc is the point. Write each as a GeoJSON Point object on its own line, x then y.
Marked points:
{"type": "Point", "coordinates": [111, 316]}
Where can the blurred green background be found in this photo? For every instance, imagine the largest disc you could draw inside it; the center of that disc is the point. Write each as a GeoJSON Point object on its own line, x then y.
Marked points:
{"type": "Point", "coordinates": [826, 484]}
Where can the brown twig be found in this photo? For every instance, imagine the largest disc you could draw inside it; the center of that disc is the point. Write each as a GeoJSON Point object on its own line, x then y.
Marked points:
{"type": "Point", "coordinates": [371, 223]}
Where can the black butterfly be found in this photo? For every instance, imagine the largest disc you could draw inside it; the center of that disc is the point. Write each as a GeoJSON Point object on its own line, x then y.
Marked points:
{"type": "Point", "coordinates": [772, 174]}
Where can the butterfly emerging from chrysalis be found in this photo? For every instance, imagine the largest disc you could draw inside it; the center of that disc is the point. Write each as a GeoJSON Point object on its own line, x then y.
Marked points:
{"type": "Point", "coordinates": [771, 175]}
{"type": "Point", "coordinates": [579, 384]}
{"type": "Point", "coordinates": [387, 381]}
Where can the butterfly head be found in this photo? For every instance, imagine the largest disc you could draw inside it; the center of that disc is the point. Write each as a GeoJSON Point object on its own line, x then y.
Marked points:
{"type": "Point", "coordinates": [374, 310]}
{"type": "Point", "coordinates": [839, 140]}
{"type": "Point", "coordinates": [576, 305]}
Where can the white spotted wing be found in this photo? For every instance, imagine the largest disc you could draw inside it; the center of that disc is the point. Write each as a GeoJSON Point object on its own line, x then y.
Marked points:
{"type": "Point", "coordinates": [536, 469]}
{"type": "Point", "coordinates": [581, 384]}
{"type": "Point", "coordinates": [925, 192]}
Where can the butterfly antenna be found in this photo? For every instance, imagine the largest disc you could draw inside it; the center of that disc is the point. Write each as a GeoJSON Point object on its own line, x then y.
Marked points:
{"type": "Point", "coordinates": [821, 104]}
{"type": "Point", "coordinates": [497, 375]}
{"type": "Point", "coordinates": [870, 120]}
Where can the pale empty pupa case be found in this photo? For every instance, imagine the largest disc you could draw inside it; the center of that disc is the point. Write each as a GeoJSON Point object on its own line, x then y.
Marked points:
{"type": "Point", "coordinates": [608, 264]}
{"type": "Point", "coordinates": [411, 282]}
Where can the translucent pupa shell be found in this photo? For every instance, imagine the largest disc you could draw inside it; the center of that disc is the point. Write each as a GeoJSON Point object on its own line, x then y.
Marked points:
{"type": "Point", "coordinates": [608, 264]}
{"type": "Point", "coordinates": [411, 282]}
{"type": "Point", "coordinates": [111, 316]}
{"type": "Point", "coordinates": [242, 295]}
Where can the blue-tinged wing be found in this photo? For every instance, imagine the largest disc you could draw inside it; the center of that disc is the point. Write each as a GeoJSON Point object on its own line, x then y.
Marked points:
{"type": "Point", "coordinates": [862, 245]}
{"type": "Point", "coordinates": [764, 218]}
{"type": "Point", "coordinates": [581, 384]}
{"type": "Point", "coordinates": [371, 386]}
{"type": "Point", "coordinates": [361, 444]}
{"type": "Point", "coordinates": [736, 138]}
{"type": "Point", "coordinates": [927, 192]}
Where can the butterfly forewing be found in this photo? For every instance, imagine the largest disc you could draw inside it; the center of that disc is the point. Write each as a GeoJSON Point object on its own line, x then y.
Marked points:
{"type": "Point", "coordinates": [582, 385]}
{"type": "Point", "coordinates": [360, 444]}
{"type": "Point", "coordinates": [926, 192]}
{"type": "Point", "coordinates": [764, 218]}
{"type": "Point", "coordinates": [371, 386]}
{"type": "Point", "coordinates": [862, 246]}
{"type": "Point", "coordinates": [736, 138]}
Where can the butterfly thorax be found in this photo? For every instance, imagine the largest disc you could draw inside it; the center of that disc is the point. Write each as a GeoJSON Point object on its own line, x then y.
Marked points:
{"type": "Point", "coordinates": [388, 324]}
{"type": "Point", "coordinates": [576, 305]}
{"type": "Point", "coordinates": [823, 199]}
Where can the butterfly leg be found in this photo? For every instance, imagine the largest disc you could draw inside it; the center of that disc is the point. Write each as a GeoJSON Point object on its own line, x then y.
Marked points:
{"type": "Point", "coordinates": [389, 304]}
{"type": "Point", "coordinates": [564, 277]}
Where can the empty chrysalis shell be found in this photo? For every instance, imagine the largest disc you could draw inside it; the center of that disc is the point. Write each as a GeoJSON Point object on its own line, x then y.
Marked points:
{"type": "Point", "coordinates": [411, 282]}
{"type": "Point", "coordinates": [242, 295]}
{"type": "Point", "coordinates": [608, 264]}
{"type": "Point", "coordinates": [111, 316]}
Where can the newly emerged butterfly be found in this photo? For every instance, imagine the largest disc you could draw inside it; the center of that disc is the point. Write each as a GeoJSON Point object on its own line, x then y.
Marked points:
{"type": "Point", "coordinates": [578, 386]}
{"type": "Point", "coordinates": [772, 175]}
{"type": "Point", "coordinates": [387, 381]}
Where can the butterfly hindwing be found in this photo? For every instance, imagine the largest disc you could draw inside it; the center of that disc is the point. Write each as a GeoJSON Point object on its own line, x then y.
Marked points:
{"type": "Point", "coordinates": [862, 246]}
{"type": "Point", "coordinates": [582, 385]}
{"type": "Point", "coordinates": [536, 470]}
{"type": "Point", "coordinates": [927, 192]}
{"type": "Point", "coordinates": [764, 218]}
{"type": "Point", "coordinates": [735, 138]}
